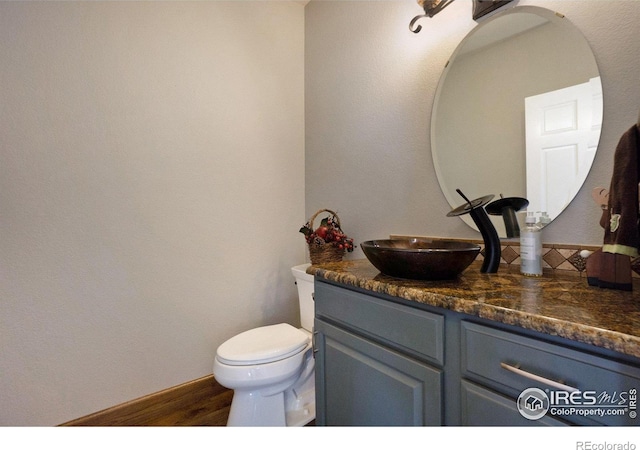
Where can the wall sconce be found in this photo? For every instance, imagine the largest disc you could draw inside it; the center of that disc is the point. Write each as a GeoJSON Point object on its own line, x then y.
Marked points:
{"type": "Point", "coordinates": [433, 7]}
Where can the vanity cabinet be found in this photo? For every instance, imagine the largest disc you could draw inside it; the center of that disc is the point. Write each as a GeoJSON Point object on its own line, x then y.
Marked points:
{"type": "Point", "coordinates": [381, 360]}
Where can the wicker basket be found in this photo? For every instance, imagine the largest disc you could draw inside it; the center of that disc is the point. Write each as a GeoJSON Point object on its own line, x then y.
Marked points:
{"type": "Point", "coordinates": [324, 253]}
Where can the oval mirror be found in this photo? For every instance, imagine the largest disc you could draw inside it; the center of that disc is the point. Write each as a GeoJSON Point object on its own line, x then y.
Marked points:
{"type": "Point", "coordinates": [518, 112]}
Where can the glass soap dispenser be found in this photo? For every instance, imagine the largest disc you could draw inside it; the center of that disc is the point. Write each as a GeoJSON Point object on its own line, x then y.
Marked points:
{"type": "Point", "coordinates": [531, 247]}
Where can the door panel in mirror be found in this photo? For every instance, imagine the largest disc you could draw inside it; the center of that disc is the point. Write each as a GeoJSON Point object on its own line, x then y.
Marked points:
{"type": "Point", "coordinates": [561, 138]}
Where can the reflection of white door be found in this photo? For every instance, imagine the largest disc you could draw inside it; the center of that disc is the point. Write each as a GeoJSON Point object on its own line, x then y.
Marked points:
{"type": "Point", "coordinates": [562, 134]}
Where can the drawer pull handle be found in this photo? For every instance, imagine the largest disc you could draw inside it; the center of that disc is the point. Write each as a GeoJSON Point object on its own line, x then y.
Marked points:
{"type": "Point", "coordinates": [538, 378]}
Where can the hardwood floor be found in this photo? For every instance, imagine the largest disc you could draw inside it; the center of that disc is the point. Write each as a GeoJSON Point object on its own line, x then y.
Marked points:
{"type": "Point", "coordinates": [201, 402]}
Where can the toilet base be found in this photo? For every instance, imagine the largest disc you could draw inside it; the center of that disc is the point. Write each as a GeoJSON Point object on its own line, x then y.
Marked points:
{"type": "Point", "coordinates": [270, 412]}
{"type": "Point", "coordinates": [251, 409]}
{"type": "Point", "coordinates": [300, 399]}
{"type": "Point", "coordinates": [304, 410]}
{"type": "Point", "coordinates": [293, 407]}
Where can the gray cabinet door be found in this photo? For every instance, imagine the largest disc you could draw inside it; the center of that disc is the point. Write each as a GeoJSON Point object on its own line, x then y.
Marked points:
{"type": "Point", "coordinates": [360, 383]}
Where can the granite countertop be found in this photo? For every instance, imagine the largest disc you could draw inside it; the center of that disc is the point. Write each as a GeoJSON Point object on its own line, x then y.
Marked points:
{"type": "Point", "coordinates": [554, 304]}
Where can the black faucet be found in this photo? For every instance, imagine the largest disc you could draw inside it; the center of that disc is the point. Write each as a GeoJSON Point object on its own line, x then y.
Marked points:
{"type": "Point", "coordinates": [484, 224]}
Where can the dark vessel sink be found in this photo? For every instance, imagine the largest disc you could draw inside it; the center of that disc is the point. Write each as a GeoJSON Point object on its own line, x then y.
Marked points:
{"type": "Point", "coordinates": [420, 259]}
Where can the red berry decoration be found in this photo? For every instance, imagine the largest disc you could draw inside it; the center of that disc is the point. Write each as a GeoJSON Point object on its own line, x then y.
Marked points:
{"type": "Point", "coordinates": [328, 232]}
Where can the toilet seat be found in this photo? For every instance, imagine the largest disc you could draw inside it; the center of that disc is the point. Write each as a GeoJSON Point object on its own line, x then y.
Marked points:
{"type": "Point", "coordinates": [263, 345]}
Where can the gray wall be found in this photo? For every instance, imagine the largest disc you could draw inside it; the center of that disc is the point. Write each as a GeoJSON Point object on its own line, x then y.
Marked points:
{"type": "Point", "coordinates": [151, 190]}
{"type": "Point", "coordinates": [369, 89]}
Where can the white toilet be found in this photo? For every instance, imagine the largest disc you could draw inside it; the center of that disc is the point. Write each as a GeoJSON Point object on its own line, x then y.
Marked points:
{"type": "Point", "coordinates": [271, 368]}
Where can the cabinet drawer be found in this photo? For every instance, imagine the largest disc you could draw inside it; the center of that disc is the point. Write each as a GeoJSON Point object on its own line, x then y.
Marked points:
{"type": "Point", "coordinates": [482, 407]}
{"type": "Point", "coordinates": [512, 363]}
{"type": "Point", "coordinates": [419, 333]}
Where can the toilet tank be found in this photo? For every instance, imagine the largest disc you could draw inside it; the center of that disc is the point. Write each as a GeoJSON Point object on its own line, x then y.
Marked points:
{"type": "Point", "coordinates": [304, 281]}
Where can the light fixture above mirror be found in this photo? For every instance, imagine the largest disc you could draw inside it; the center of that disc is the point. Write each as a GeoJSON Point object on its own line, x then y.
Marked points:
{"type": "Point", "coordinates": [433, 7]}
{"type": "Point", "coordinates": [484, 7]}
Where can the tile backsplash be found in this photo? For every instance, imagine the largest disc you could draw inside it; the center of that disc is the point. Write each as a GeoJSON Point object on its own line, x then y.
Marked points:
{"type": "Point", "coordinates": [561, 257]}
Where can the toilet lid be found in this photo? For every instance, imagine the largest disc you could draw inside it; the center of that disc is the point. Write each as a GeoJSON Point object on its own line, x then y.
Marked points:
{"type": "Point", "coordinates": [262, 345]}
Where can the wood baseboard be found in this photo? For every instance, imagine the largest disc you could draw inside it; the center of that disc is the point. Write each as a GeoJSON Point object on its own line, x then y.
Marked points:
{"type": "Point", "coordinates": [201, 402]}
